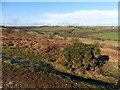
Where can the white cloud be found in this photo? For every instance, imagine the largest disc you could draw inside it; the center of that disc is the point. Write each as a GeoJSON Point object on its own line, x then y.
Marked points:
{"type": "Point", "coordinates": [82, 17]}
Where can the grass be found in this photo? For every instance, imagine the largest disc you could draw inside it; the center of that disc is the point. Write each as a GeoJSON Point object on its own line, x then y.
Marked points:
{"type": "Point", "coordinates": [110, 68]}
{"type": "Point", "coordinates": [32, 33]}
{"type": "Point", "coordinates": [81, 31]}
{"type": "Point", "coordinates": [111, 36]}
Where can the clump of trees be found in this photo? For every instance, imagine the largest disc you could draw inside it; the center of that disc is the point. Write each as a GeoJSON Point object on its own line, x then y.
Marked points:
{"type": "Point", "coordinates": [83, 57]}
{"type": "Point", "coordinates": [8, 30]}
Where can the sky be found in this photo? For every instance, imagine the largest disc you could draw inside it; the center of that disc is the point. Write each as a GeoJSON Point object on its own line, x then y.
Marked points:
{"type": "Point", "coordinates": [59, 13]}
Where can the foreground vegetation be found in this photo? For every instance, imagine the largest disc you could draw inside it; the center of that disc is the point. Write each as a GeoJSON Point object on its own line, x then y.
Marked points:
{"type": "Point", "coordinates": [48, 52]}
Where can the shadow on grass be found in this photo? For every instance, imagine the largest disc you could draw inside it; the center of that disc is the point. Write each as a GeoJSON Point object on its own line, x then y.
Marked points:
{"type": "Point", "coordinates": [48, 69]}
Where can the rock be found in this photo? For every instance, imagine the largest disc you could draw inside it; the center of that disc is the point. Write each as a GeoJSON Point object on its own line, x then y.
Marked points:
{"type": "Point", "coordinates": [10, 82]}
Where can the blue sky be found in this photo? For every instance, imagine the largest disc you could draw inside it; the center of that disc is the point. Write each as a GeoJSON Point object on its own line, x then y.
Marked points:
{"type": "Point", "coordinates": [59, 13]}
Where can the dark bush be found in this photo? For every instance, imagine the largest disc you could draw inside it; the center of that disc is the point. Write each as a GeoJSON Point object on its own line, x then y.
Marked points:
{"type": "Point", "coordinates": [82, 56]}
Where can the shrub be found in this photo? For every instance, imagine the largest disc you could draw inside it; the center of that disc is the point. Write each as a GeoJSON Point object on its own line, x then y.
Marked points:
{"type": "Point", "coordinates": [8, 30]}
{"type": "Point", "coordinates": [80, 55]}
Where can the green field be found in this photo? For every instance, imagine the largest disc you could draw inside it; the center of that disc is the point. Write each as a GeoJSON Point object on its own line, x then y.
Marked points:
{"type": "Point", "coordinates": [111, 36]}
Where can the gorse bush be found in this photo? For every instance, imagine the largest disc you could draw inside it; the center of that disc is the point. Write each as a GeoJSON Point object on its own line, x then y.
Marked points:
{"type": "Point", "coordinates": [80, 55]}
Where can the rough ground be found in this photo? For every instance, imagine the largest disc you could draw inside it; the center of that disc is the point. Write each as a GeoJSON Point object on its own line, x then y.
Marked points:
{"type": "Point", "coordinates": [19, 78]}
